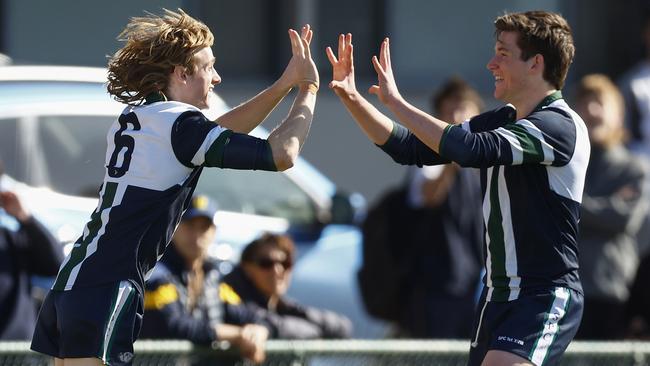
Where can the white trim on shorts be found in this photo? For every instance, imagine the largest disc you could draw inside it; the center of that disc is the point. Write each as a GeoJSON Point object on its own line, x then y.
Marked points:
{"type": "Point", "coordinates": [124, 296]}
{"type": "Point", "coordinates": [551, 325]}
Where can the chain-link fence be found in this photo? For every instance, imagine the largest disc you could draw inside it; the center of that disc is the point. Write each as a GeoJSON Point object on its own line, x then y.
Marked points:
{"type": "Point", "coordinates": [342, 353]}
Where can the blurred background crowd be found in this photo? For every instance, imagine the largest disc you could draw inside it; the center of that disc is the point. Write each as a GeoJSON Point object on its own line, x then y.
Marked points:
{"type": "Point", "coordinates": [417, 254]}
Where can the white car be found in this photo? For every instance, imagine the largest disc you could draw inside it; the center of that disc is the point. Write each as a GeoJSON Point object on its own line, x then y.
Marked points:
{"type": "Point", "coordinates": [53, 124]}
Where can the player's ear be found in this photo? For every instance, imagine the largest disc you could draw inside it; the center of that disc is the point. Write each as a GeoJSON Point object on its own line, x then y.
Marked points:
{"type": "Point", "coordinates": [179, 73]}
{"type": "Point", "coordinates": [537, 63]}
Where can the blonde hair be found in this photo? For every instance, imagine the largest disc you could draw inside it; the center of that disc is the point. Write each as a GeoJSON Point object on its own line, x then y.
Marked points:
{"type": "Point", "coordinates": [601, 86]}
{"type": "Point", "coordinates": [154, 46]}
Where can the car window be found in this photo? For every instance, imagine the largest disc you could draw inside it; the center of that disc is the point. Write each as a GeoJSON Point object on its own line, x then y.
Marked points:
{"type": "Point", "coordinates": [9, 153]}
{"type": "Point", "coordinates": [70, 154]}
{"type": "Point", "coordinates": [67, 153]}
{"type": "Point", "coordinates": [258, 192]}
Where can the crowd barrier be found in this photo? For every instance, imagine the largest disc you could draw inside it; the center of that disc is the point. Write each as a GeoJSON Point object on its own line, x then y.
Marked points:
{"type": "Point", "coordinates": [341, 352]}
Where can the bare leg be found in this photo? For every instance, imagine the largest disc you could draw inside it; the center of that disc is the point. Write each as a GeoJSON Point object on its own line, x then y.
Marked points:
{"type": "Point", "coordinates": [502, 358]}
{"type": "Point", "coordinates": [58, 362]}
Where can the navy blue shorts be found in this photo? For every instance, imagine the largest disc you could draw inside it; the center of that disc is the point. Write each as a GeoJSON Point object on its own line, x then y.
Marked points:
{"type": "Point", "coordinates": [537, 326]}
{"type": "Point", "coordinates": [100, 322]}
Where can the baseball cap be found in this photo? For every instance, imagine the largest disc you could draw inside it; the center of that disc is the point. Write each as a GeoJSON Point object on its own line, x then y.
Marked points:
{"type": "Point", "coordinates": [201, 205]}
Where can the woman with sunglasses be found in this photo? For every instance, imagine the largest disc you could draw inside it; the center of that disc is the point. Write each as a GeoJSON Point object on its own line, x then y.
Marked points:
{"type": "Point", "coordinates": [260, 283]}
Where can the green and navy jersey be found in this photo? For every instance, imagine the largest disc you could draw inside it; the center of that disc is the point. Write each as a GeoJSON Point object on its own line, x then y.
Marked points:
{"type": "Point", "coordinates": [154, 157]}
{"type": "Point", "coordinates": [532, 174]}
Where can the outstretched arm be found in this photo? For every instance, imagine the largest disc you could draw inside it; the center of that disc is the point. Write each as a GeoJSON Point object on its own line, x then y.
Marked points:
{"type": "Point", "coordinates": [287, 139]}
{"type": "Point", "coordinates": [372, 122]}
{"type": "Point", "coordinates": [426, 128]}
{"type": "Point", "coordinates": [245, 117]}
{"type": "Point", "coordinates": [392, 138]}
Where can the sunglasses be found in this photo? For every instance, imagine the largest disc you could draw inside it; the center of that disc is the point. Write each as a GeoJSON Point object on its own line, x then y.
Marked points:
{"type": "Point", "coordinates": [268, 263]}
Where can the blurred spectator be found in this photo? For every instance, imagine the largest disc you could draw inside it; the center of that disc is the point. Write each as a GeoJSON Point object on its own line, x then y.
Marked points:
{"type": "Point", "coordinates": [614, 205]}
{"type": "Point", "coordinates": [638, 306]}
{"type": "Point", "coordinates": [635, 86]}
{"type": "Point", "coordinates": [31, 250]}
{"type": "Point", "coordinates": [422, 241]}
{"type": "Point", "coordinates": [182, 296]}
{"type": "Point", "coordinates": [261, 280]}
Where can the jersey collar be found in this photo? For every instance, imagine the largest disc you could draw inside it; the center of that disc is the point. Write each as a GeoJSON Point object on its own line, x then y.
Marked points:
{"type": "Point", "coordinates": [154, 97]}
{"type": "Point", "coordinates": [548, 100]}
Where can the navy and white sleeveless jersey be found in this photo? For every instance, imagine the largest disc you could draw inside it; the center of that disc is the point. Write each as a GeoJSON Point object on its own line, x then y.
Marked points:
{"type": "Point", "coordinates": [532, 175]}
{"type": "Point", "coordinates": [154, 157]}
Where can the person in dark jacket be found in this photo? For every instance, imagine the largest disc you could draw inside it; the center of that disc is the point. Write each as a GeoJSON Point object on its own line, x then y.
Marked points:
{"type": "Point", "coordinates": [30, 250]}
{"type": "Point", "coordinates": [431, 232]}
{"type": "Point", "coordinates": [614, 205]}
{"type": "Point", "coordinates": [638, 305]}
{"type": "Point", "coordinates": [260, 282]}
{"type": "Point", "coordinates": [182, 299]}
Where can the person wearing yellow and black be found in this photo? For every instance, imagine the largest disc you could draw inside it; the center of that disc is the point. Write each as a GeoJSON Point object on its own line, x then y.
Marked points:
{"type": "Point", "coordinates": [182, 296]}
{"type": "Point", "coordinates": [260, 283]}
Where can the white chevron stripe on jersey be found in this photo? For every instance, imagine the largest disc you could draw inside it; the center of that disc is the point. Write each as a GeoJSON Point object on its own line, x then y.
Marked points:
{"type": "Point", "coordinates": [515, 145]}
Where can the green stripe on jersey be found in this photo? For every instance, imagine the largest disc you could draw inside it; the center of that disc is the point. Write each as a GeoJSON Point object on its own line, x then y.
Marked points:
{"type": "Point", "coordinates": [214, 156]}
{"type": "Point", "coordinates": [497, 244]}
{"type": "Point", "coordinates": [79, 250]}
{"type": "Point", "coordinates": [531, 146]}
{"type": "Point", "coordinates": [443, 138]}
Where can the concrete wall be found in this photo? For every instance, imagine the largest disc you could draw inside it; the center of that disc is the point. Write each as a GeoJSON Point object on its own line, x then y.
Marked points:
{"type": "Point", "coordinates": [69, 32]}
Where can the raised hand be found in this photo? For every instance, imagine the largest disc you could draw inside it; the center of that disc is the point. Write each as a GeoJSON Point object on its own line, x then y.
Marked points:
{"type": "Point", "coordinates": [386, 88]}
{"type": "Point", "coordinates": [342, 67]}
{"type": "Point", "coordinates": [301, 68]}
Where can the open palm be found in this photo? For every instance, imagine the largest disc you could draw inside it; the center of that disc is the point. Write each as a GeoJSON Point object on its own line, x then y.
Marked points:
{"type": "Point", "coordinates": [343, 66]}
{"type": "Point", "coordinates": [386, 88]}
{"type": "Point", "coordinates": [301, 67]}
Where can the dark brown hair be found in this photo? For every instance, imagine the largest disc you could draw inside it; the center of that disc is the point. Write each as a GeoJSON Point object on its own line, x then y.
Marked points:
{"type": "Point", "coordinates": [154, 46]}
{"type": "Point", "coordinates": [282, 242]}
{"type": "Point", "coordinates": [455, 89]}
{"type": "Point", "coordinates": [544, 33]}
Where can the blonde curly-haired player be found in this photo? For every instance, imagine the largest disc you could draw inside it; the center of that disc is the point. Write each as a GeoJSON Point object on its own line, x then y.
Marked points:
{"type": "Point", "coordinates": [157, 149]}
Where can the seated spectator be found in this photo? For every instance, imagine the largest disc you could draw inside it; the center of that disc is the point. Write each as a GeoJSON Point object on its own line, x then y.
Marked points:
{"type": "Point", "coordinates": [614, 205]}
{"type": "Point", "coordinates": [260, 282]}
{"type": "Point", "coordinates": [31, 250]}
{"type": "Point", "coordinates": [182, 296]}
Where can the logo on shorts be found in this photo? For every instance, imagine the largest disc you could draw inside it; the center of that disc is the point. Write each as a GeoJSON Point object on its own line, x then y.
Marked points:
{"type": "Point", "coordinates": [510, 339]}
{"type": "Point", "coordinates": [125, 356]}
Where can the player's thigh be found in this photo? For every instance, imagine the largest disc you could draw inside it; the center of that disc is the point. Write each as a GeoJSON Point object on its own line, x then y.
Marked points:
{"type": "Point", "coordinates": [537, 327]}
{"type": "Point", "coordinates": [82, 362]}
{"type": "Point", "coordinates": [58, 361]}
{"type": "Point", "coordinates": [503, 358]}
